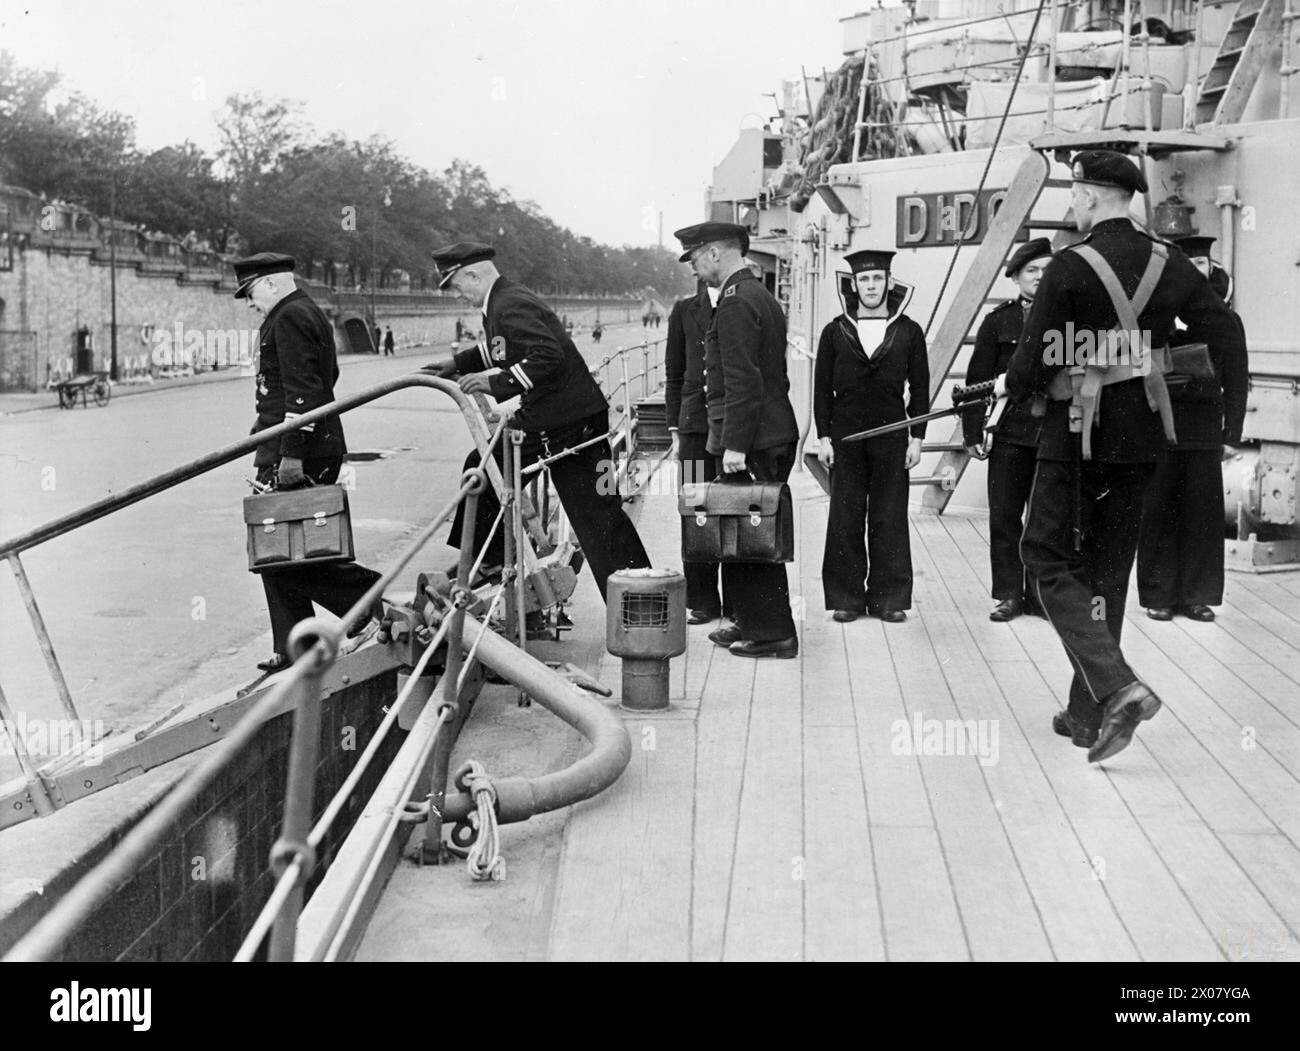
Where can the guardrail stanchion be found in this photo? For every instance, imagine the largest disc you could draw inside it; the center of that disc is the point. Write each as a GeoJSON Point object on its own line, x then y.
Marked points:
{"type": "Point", "coordinates": [300, 782]}
{"type": "Point", "coordinates": [517, 526]}
{"type": "Point", "coordinates": [431, 847]}
{"type": "Point", "coordinates": [35, 786]}
{"type": "Point", "coordinates": [43, 639]}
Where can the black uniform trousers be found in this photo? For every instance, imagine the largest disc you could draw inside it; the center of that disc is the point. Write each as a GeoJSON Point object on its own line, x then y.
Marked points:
{"type": "Point", "coordinates": [585, 483]}
{"type": "Point", "coordinates": [759, 592]}
{"type": "Point", "coordinates": [290, 592]}
{"type": "Point", "coordinates": [871, 572]}
{"type": "Point", "coordinates": [1180, 550]}
{"type": "Point", "coordinates": [1010, 478]}
{"type": "Point", "coordinates": [696, 465]}
{"type": "Point", "coordinates": [1083, 593]}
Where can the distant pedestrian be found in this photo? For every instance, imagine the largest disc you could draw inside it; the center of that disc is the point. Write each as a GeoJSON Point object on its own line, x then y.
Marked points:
{"type": "Point", "coordinates": [376, 337]}
{"type": "Point", "coordinates": [388, 341]}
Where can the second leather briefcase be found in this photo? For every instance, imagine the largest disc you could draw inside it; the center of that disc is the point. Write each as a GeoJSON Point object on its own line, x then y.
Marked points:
{"type": "Point", "coordinates": [298, 527]}
{"type": "Point", "coordinates": [737, 522]}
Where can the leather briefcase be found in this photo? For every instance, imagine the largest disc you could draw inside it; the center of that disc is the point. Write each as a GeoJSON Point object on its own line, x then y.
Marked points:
{"type": "Point", "coordinates": [737, 522]}
{"type": "Point", "coordinates": [298, 527]}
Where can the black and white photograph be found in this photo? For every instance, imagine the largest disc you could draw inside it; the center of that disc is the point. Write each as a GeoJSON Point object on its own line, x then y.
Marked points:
{"type": "Point", "coordinates": [578, 482]}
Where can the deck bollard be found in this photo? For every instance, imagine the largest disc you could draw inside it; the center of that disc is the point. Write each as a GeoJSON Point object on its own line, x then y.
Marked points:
{"type": "Point", "coordinates": [645, 624]}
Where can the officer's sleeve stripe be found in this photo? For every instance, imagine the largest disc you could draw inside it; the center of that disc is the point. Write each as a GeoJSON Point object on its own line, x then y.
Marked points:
{"type": "Point", "coordinates": [519, 374]}
{"type": "Point", "coordinates": [289, 417]}
{"type": "Point", "coordinates": [483, 353]}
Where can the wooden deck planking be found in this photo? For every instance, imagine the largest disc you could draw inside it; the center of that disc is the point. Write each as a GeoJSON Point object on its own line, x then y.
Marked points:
{"type": "Point", "coordinates": [813, 839]}
{"type": "Point", "coordinates": [977, 854]}
{"type": "Point", "coordinates": [1159, 918]}
{"type": "Point", "coordinates": [1217, 888]}
{"type": "Point", "coordinates": [625, 891]}
{"type": "Point", "coordinates": [1274, 633]}
{"type": "Point", "coordinates": [765, 915]}
{"type": "Point", "coordinates": [1260, 781]}
{"type": "Point", "coordinates": [918, 909]}
{"type": "Point", "coordinates": [841, 896]}
{"type": "Point", "coordinates": [1270, 589]}
{"type": "Point", "coordinates": [722, 730]}
{"type": "Point", "coordinates": [1080, 920]}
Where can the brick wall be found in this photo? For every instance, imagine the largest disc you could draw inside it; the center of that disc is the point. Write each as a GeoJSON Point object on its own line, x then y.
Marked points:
{"type": "Point", "coordinates": [198, 897]}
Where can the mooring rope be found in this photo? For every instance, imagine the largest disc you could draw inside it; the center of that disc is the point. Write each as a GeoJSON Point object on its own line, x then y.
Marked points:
{"type": "Point", "coordinates": [484, 860]}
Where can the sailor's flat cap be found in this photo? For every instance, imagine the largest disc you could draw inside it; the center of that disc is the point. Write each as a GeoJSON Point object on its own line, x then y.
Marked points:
{"type": "Point", "coordinates": [869, 259]}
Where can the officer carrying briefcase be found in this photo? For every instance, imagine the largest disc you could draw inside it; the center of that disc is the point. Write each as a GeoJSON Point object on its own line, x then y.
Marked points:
{"type": "Point", "coordinates": [737, 522]}
{"type": "Point", "coordinates": [298, 527]}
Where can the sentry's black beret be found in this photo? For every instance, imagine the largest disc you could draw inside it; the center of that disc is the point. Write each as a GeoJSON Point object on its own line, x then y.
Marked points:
{"type": "Point", "coordinates": [250, 268]}
{"type": "Point", "coordinates": [451, 258]}
{"type": "Point", "coordinates": [1035, 249]}
{"type": "Point", "coordinates": [869, 259]}
{"type": "Point", "coordinates": [1108, 168]}
{"type": "Point", "coordinates": [692, 237]}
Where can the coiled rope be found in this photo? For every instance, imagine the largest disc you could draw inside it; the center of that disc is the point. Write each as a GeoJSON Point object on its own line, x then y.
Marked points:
{"type": "Point", "coordinates": [484, 860]}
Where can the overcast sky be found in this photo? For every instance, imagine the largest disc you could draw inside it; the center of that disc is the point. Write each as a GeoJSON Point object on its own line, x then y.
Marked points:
{"type": "Point", "coordinates": [602, 113]}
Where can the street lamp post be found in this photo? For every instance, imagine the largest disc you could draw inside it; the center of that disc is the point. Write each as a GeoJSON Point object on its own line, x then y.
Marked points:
{"type": "Point", "coordinates": [374, 255]}
{"type": "Point", "coordinates": [112, 273]}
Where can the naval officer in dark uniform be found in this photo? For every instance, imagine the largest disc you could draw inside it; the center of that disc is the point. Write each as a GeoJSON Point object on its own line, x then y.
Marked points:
{"type": "Point", "coordinates": [1013, 453]}
{"type": "Point", "coordinates": [688, 422]}
{"type": "Point", "coordinates": [865, 357]}
{"type": "Point", "coordinates": [297, 370]}
{"type": "Point", "coordinates": [525, 353]}
{"type": "Point", "coordinates": [1083, 588]}
{"type": "Point", "coordinates": [752, 427]}
{"type": "Point", "coordinates": [1180, 547]}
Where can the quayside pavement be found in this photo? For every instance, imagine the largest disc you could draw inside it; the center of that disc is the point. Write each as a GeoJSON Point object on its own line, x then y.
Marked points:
{"type": "Point", "coordinates": [897, 793]}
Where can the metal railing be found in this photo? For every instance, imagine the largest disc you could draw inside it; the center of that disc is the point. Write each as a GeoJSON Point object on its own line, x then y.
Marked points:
{"type": "Point", "coordinates": [314, 646]}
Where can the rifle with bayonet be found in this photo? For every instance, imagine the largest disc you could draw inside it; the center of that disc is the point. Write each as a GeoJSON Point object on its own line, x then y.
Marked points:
{"type": "Point", "coordinates": [963, 398]}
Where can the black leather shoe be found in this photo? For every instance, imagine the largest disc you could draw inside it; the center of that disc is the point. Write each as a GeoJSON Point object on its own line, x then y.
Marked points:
{"type": "Point", "coordinates": [1121, 713]}
{"type": "Point", "coordinates": [701, 616]}
{"type": "Point", "coordinates": [1067, 726]}
{"type": "Point", "coordinates": [1160, 613]}
{"type": "Point", "coordinates": [1198, 612]}
{"type": "Point", "coordinates": [725, 636]}
{"type": "Point", "coordinates": [275, 662]}
{"type": "Point", "coordinates": [782, 649]}
{"type": "Point", "coordinates": [845, 616]}
{"type": "Point", "coordinates": [892, 616]}
{"type": "Point", "coordinates": [1007, 609]}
